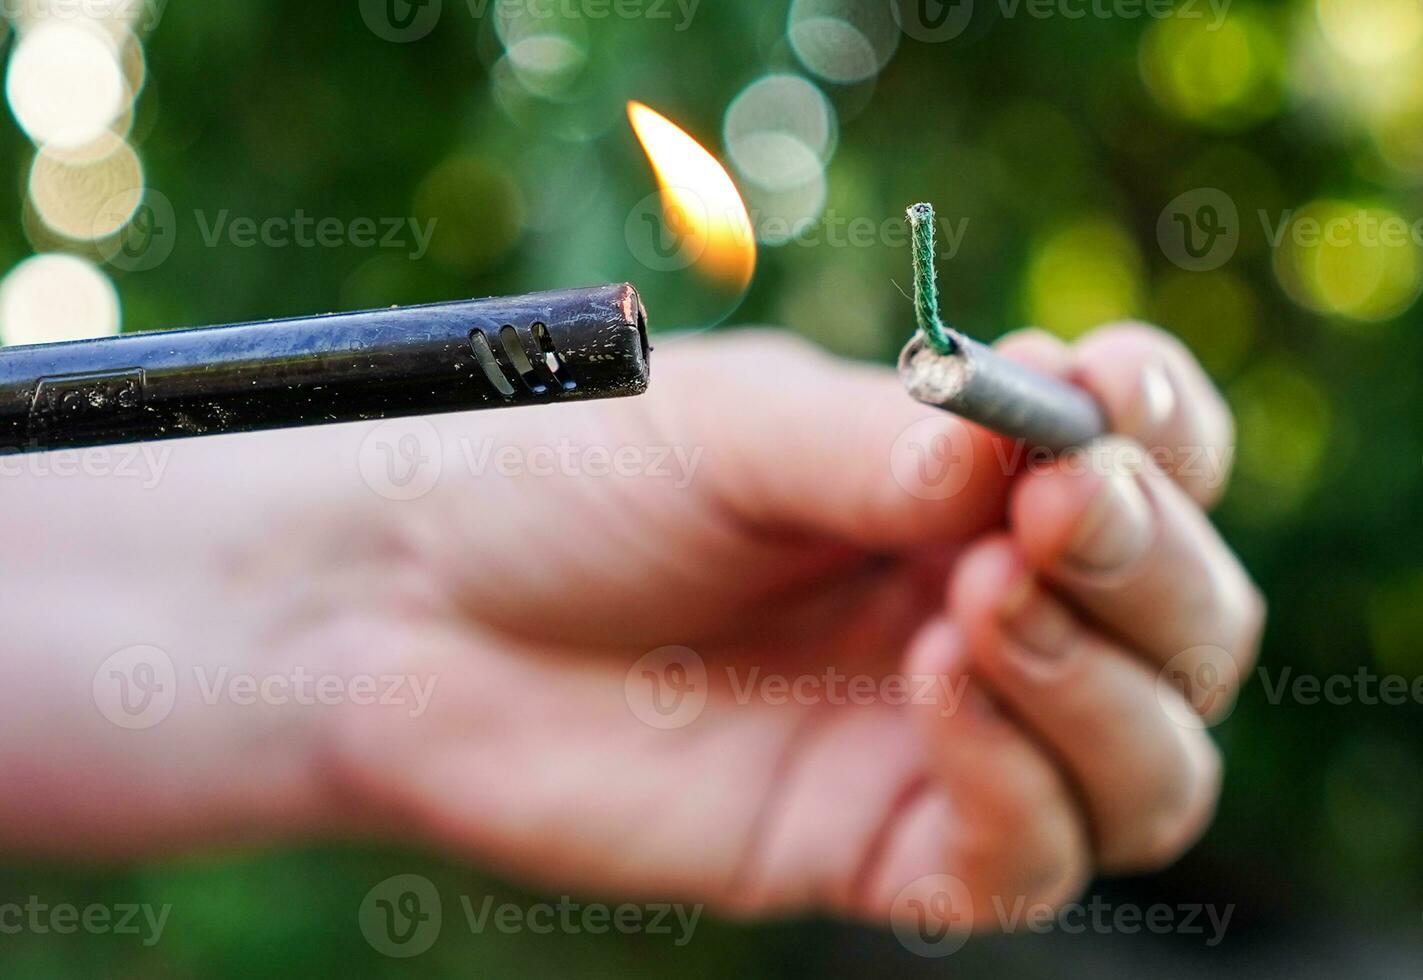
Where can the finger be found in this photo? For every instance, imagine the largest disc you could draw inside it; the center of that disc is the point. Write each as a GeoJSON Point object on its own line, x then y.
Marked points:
{"type": "Point", "coordinates": [1125, 544]}
{"type": "Point", "coordinates": [796, 439]}
{"type": "Point", "coordinates": [1155, 392]}
{"type": "Point", "coordinates": [1037, 349]}
{"type": "Point", "coordinates": [996, 817]}
{"type": "Point", "coordinates": [1148, 784]}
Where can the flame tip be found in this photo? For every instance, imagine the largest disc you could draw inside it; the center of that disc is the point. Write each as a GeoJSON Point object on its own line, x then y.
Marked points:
{"type": "Point", "coordinates": [710, 211]}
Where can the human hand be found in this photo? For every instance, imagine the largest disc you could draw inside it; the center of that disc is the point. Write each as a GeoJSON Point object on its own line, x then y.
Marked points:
{"type": "Point", "coordinates": [1025, 607]}
{"type": "Point", "coordinates": [908, 652]}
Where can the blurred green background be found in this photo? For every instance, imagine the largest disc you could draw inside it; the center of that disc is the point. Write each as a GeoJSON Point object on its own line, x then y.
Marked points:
{"type": "Point", "coordinates": [1067, 156]}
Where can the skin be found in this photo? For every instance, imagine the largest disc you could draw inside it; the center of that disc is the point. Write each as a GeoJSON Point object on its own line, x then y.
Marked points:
{"type": "Point", "coordinates": [530, 599]}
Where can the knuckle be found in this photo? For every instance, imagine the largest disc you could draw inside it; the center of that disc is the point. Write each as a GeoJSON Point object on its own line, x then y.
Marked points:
{"type": "Point", "coordinates": [1036, 346]}
{"type": "Point", "coordinates": [983, 558]}
{"type": "Point", "coordinates": [1034, 336]}
{"type": "Point", "coordinates": [992, 547]}
{"type": "Point", "coordinates": [1139, 338]}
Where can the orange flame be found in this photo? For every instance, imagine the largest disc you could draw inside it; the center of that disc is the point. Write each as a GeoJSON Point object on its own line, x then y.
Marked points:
{"type": "Point", "coordinates": [701, 206]}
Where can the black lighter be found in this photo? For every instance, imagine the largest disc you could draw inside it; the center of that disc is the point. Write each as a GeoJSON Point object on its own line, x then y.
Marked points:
{"type": "Point", "coordinates": [569, 345]}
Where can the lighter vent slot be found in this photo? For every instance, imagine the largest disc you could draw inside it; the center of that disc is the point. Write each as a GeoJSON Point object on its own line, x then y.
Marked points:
{"type": "Point", "coordinates": [508, 364]}
{"type": "Point", "coordinates": [513, 346]}
{"type": "Point", "coordinates": [556, 368]}
{"type": "Point", "coordinates": [492, 370]}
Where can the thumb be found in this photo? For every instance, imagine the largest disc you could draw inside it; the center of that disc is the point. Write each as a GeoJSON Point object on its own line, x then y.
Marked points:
{"type": "Point", "coordinates": [795, 439]}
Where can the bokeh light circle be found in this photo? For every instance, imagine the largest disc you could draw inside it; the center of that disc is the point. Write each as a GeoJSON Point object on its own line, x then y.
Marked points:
{"type": "Point", "coordinates": [87, 195]}
{"type": "Point", "coordinates": [1215, 313]}
{"type": "Point", "coordinates": [843, 41]}
{"type": "Point", "coordinates": [1350, 260]}
{"type": "Point", "coordinates": [65, 84]}
{"type": "Point", "coordinates": [546, 53]}
{"type": "Point", "coordinates": [1224, 76]}
{"type": "Point", "coordinates": [780, 131]}
{"type": "Point", "coordinates": [54, 297]}
{"type": "Point", "coordinates": [781, 216]}
{"type": "Point", "coordinates": [1081, 274]}
{"type": "Point", "coordinates": [1371, 32]}
{"type": "Point", "coordinates": [783, 103]}
{"type": "Point", "coordinates": [547, 64]}
{"type": "Point", "coordinates": [1285, 421]}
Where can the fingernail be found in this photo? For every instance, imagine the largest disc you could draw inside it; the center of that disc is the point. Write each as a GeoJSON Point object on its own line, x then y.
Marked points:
{"type": "Point", "coordinates": [1117, 528]}
{"type": "Point", "coordinates": [1038, 624]}
{"type": "Point", "coordinates": [1156, 402]}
